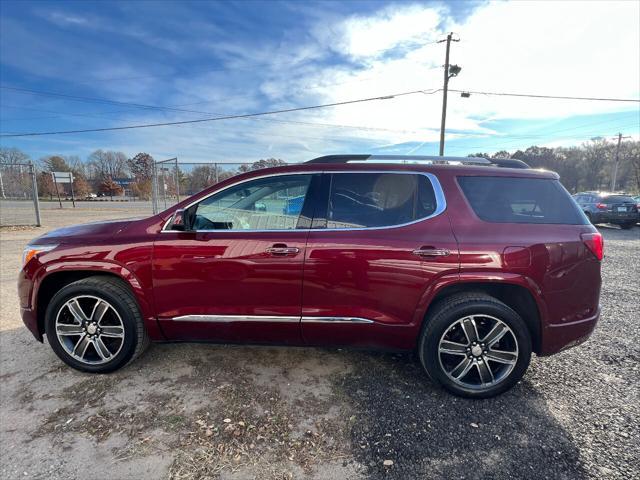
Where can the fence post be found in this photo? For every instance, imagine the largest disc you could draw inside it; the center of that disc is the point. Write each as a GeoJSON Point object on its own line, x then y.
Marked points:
{"type": "Point", "coordinates": [36, 200]}
{"type": "Point", "coordinates": [177, 182]}
{"type": "Point", "coordinates": [154, 189]}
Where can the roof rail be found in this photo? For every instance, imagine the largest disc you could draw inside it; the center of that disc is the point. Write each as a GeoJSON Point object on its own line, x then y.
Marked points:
{"type": "Point", "coordinates": [509, 163]}
{"type": "Point", "coordinates": [360, 158]}
{"type": "Point", "coordinates": [399, 159]}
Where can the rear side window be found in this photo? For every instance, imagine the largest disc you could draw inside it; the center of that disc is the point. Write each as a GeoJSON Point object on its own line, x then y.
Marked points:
{"type": "Point", "coordinates": [363, 200]}
{"type": "Point", "coordinates": [521, 200]}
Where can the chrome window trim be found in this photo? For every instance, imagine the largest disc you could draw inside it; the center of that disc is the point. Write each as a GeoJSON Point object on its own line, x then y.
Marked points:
{"type": "Point", "coordinates": [441, 203]}
{"type": "Point", "coordinates": [269, 318]}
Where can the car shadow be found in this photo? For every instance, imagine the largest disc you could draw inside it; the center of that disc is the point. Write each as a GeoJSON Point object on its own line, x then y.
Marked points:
{"type": "Point", "coordinates": [427, 433]}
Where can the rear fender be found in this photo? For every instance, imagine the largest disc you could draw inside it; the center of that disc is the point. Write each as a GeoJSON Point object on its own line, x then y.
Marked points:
{"type": "Point", "coordinates": [470, 278]}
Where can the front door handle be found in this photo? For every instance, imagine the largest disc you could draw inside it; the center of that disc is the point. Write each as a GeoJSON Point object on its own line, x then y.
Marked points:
{"type": "Point", "coordinates": [432, 252]}
{"type": "Point", "coordinates": [282, 250]}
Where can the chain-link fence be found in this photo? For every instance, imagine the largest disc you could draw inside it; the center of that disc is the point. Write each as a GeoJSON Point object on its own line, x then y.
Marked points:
{"type": "Point", "coordinates": [18, 195]}
{"type": "Point", "coordinates": [174, 181]}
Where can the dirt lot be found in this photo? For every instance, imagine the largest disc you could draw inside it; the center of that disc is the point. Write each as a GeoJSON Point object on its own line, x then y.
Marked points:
{"type": "Point", "coordinates": [206, 411]}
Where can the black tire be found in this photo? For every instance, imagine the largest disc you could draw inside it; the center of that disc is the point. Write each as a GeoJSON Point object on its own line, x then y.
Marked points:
{"type": "Point", "coordinates": [449, 313]}
{"type": "Point", "coordinates": [122, 300]}
{"type": "Point", "coordinates": [589, 217]}
{"type": "Point", "coordinates": [627, 225]}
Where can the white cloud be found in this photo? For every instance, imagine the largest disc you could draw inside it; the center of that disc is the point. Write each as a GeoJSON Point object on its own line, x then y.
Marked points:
{"type": "Point", "coordinates": [561, 48]}
{"type": "Point", "coordinates": [64, 19]}
{"type": "Point", "coordinates": [368, 37]}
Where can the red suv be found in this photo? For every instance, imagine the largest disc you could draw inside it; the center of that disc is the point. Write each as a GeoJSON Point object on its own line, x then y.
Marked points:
{"type": "Point", "coordinates": [473, 266]}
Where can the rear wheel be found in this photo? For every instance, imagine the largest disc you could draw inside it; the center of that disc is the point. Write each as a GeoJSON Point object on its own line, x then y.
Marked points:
{"type": "Point", "coordinates": [627, 225]}
{"type": "Point", "coordinates": [94, 325]}
{"type": "Point", "coordinates": [475, 346]}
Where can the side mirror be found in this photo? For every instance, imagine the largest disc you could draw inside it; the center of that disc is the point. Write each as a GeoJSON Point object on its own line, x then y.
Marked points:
{"type": "Point", "coordinates": [178, 221]}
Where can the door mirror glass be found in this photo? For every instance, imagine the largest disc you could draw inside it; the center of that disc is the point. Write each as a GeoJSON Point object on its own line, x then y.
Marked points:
{"type": "Point", "coordinates": [178, 221]}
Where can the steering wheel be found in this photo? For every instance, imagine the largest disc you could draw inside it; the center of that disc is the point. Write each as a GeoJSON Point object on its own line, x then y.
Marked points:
{"type": "Point", "coordinates": [209, 222]}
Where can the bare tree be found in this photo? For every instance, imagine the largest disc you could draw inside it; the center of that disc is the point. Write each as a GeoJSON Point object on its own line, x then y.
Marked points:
{"type": "Point", "coordinates": [594, 158]}
{"type": "Point", "coordinates": [107, 164]}
{"type": "Point", "coordinates": [13, 156]}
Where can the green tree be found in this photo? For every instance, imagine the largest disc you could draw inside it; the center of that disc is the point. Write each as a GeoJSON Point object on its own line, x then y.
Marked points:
{"type": "Point", "coordinates": [263, 163]}
{"type": "Point", "coordinates": [55, 163]}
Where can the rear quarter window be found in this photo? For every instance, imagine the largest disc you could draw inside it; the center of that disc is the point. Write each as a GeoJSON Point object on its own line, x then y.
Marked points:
{"type": "Point", "coordinates": [521, 200]}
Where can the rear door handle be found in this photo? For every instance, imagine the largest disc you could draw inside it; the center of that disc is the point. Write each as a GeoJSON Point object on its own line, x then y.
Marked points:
{"type": "Point", "coordinates": [282, 250]}
{"type": "Point", "coordinates": [432, 252]}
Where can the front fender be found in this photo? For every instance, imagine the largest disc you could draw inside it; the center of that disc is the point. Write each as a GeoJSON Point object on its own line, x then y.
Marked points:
{"type": "Point", "coordinates": [141, 286]}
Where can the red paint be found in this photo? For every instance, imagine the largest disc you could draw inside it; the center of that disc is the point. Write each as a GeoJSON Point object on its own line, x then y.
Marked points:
{"type": "Point", "coordinates": [371, 274]}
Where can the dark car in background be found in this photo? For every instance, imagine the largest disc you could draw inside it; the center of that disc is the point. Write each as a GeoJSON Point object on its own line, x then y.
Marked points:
{"type": "Point", "coordinates": [615, 208]}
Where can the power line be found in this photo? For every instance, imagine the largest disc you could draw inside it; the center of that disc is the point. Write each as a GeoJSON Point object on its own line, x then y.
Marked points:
{"type": "Point", "coordinates": [575, 127]}
{"type": "Point", "coordinates": [212, 119]}
{"type": "Point", "coordinates": [305, 59]}
{"type": "Point", "coordinates": [289, 122]}
{"type": "Point", "coordinates": [220, 116]}
{"type": "Point", "coordinates": [80, 98]}
{"type": "Point", "coordinates": [557, 97]}
{"type": "Point", "coordinates": [510, 143]}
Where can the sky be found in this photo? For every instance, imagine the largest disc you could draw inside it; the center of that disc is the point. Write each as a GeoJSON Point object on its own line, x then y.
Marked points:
{"type": "Point", "coordinates": [107, 64]}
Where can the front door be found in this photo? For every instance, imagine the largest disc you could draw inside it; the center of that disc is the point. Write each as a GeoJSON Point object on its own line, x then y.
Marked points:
{"type": "Point", "coordinates": [237, 274]}
{"type": "Point", "coordinates": [383, 238]}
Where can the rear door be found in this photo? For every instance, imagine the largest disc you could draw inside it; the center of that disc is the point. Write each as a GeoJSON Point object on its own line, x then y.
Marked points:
{"type": "Point", "coordinates": [378, 239]}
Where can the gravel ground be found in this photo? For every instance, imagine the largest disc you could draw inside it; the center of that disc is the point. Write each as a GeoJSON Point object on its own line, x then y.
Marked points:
{"type": "Point", "coordinates": [206, 411]}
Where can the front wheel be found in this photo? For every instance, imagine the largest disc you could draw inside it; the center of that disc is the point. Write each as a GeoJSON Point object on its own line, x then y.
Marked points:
{"type": "Point", "coordinates": [94, 325]}
{"type": "Point", "coordinates": [475, 346]}
{"type": "Point", "coordinates": [627, 225]}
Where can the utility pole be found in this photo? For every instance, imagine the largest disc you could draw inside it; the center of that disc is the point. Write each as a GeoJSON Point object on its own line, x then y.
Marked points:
{"type": "Point", "coordinates": [455, 69]}
{"type": "Point", "coordinates": [615, 165]}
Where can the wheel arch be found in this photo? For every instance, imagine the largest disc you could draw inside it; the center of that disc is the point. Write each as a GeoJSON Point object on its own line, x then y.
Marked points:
{"type": "Point", "coordinates": [512, 293]}
{"type": "Point", "coordinates": [56, 279]}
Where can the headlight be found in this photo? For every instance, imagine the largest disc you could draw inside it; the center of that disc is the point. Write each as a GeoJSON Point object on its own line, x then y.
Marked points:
{"type": "Point", "coordinates": [31, 251]}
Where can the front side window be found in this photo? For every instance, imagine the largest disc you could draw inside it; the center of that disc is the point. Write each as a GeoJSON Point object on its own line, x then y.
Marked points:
{"type": "Point", "coordinates": [272, 203]}
{"type": "Point", "coordinates": [365, 200]}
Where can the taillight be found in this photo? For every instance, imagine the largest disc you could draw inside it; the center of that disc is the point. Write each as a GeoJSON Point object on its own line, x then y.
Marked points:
{"type": "Point", "coordinates": [601, 206]}
{"type": "Point", "coordinates": [595, 243]}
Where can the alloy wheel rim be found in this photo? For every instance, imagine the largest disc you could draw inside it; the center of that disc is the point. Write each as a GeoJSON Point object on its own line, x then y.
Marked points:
{"type": "Point", "coordinates": [478, 351]}
{"type": "Point", "coordinates": [89, 329]}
